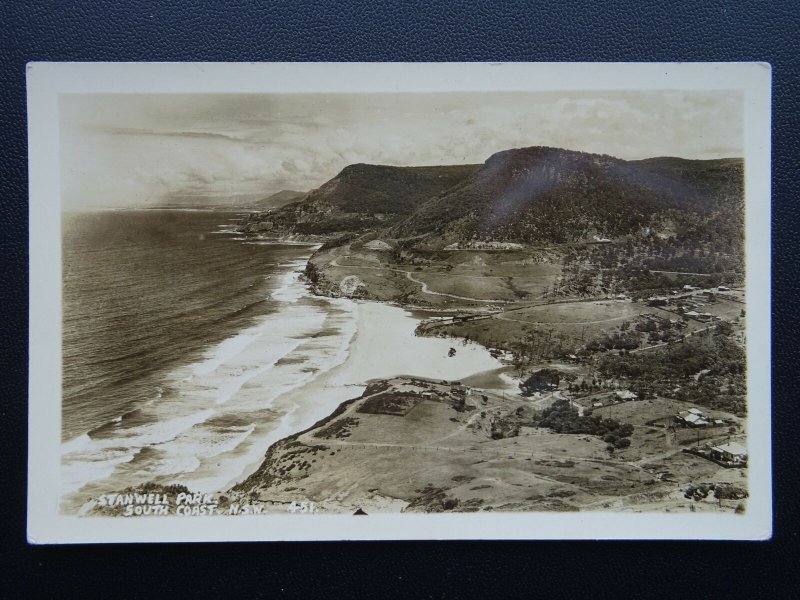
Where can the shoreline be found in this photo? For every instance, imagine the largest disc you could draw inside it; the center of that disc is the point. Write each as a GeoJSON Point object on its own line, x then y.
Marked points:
{"type": "Point", "coordinates": [377, 324]}
{"type": "Point", "coordinates": [327, 373]}
{"type": "Point", "coordinates": [203, 412]}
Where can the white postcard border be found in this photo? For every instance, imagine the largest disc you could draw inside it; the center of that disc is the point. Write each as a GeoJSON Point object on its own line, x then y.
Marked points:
{"type": "Point", "coordinates": [46, 81]}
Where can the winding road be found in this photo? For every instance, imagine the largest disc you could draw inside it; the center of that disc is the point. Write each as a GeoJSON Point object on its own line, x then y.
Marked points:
{"type": "Point", "coordinates": [424, 286]}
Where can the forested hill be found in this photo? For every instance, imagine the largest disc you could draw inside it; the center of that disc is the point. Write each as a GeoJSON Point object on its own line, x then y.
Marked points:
{"type": "Point", "coordinates": [360, 197]}
{"type": "Point", "coordinates": [701, 184]}
{"type": "Point", "coordinates": [542, 194]}
{"type": "Point", "coordinates": [362, 188]}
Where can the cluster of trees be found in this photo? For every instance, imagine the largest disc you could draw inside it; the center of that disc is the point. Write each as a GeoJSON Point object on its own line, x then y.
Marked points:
{"type": "Point", "coordinates": [541, 381]}
{"type": "Point", "coordinates": [536, 345]}
{"type": "Point", "coordinates": [619, 340]}
{"type": "Point", "coordinates": [721, 361]}
{"type": "Point", "coordinates": [712, 264]}
{"type": "Point", "coordinates": [628, 338]}
{"type": "Point", "coordinates": [568, 214]}
{"type": "Point", "coordinates": [595, 269]}
{"type": "Point", "coordinates": [715, 352]}
{"type": "Point", "coordinates": [324, 224]}
{"type": "Point", "coordinates": [561, 417]}
{"type": "Point", "coordinates": [660, 330]}
{"type": "Point", "coordinates": [722, 491]}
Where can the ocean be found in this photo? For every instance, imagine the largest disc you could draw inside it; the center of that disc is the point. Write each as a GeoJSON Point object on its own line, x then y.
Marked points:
{"type": "Point", "coordinates": [189, 349]}
{"type": "Point", "coordinates": [169, 317]}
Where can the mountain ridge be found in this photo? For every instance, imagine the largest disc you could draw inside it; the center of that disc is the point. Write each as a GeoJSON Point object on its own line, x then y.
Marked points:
{"type": "Point", "coordinates": [535, 194]}
{"type": "Point", "coordinates": [554, 195]}
{"type": "Point", "coordinates": [359, 197]}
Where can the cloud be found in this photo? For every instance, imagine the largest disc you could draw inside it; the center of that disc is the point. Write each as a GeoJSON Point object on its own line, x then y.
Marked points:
{"type": "Point", "coordinates": [136, 149]}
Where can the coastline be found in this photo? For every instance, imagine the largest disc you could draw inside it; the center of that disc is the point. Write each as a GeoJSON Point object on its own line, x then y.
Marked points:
{"type": "Point", "coordinates": [202, 411]}
{"type": "Point", "coordinates": [380, 329]}
{"type": "Point", "coordinates": [221, 414]}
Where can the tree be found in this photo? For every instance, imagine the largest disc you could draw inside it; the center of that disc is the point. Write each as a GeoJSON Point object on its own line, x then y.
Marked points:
{"type": "Point", "coordinates": [622, 443]}
{"type": "Point", "coordinates": [724, 328]}
{"type": "Point", "coordinates": [539, 381]}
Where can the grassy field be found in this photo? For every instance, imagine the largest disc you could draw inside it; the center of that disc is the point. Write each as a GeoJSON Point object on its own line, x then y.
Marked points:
{"type": "Point", "coordinates": [442, 279]}
{"type": "Point", "coordinates": [562, 328]}
{"type": "Point", "coordinates": [477, 452]}
{"type": "Point", "coordinates": [441, 456]}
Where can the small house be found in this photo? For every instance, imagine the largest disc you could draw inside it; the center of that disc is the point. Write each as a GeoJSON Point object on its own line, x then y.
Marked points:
{"type": "Point", "coordinates": [696, 421]}
{"type": "Point", "coordinates": [626, 395]}
{"type": "Point", "coordinates": [733, 453]}
{"type": "Point", "coordinates": [691, 419]}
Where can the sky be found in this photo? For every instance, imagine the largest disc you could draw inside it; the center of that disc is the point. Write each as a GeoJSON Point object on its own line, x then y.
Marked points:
{"type": "Point", "coordinates": [147, 149]}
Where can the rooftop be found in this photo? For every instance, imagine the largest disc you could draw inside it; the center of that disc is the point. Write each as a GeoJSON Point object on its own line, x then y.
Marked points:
{"type": "Point", "coordinates": [734, 448]}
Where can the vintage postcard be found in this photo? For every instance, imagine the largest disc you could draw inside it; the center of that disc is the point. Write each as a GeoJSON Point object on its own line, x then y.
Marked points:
{"type": "Point", "coordinates": [399, 301]}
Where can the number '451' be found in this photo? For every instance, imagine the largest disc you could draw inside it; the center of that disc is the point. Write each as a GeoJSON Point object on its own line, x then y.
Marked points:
{"type": "Point", "coordinates": [303, 507]}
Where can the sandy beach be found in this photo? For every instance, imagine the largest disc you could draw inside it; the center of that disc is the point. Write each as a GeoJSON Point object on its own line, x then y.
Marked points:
{"type": "Point", "coordinates": [383, 345]}
{"type": "Point", "coordinates": [219, 415]}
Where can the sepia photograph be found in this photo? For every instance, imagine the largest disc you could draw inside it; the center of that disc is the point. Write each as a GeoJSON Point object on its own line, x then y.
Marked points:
{"type": "Point", "coordinates": [461, 301]}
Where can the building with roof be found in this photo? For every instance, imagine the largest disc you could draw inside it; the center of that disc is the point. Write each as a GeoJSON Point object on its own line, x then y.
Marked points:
{"type": "Point", "coordinates": [692, 418]}
{"type": "Point", "coordinates": [732, 453]}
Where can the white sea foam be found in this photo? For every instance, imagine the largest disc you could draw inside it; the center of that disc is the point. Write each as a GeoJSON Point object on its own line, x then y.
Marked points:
{"type": "Point", "coordinates": [76, 443]}
{"type": "Point", "coordinates": [224, 351]}
{"type": "Point", "coordinates": [290, 288]}
{"type": "Point", "coordinates": [237, 380]}
{"type": "Point", "coordinates": [265, 383]}
{"type": "Point", "coordinates": [383, 345]}
{"type": "Point", "coordinates": [77, 473]}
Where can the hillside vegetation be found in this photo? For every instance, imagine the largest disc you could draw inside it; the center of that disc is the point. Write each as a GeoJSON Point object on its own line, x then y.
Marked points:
{"type": "Point", "coordinates": [361, 197]}
{"type": "Point", "coordinates": [557, 196]}
{"type": "Point", "coordinates": [530, 195]}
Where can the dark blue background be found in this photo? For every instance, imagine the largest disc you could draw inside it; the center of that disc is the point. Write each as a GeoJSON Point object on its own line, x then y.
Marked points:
{"type": "Point", "coordinates": [377, 30]}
